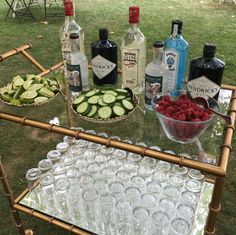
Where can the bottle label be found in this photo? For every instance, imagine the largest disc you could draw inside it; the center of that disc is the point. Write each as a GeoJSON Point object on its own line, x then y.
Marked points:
{"type": "Point", "coordinates": [130, 67]}
{"type": "Point", "coordinates": [69, 8]}
{"type": "Point", "coordinates": [171, 58]}
{"type": "Point", "coordinates": [153, 86]}
{"type": "Point", "coordinates": [74, 77]}
{"type": "Point", "coordinates": [101, 66]}
{"type": "Point", "coordinates": [203, 85]}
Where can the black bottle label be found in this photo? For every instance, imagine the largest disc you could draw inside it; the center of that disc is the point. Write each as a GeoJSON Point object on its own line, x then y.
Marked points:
{"type": "Point", "coordinates": [74, 77]}
{"type": "Point", "coordinates": [203, 85]}
{"type": "Point", "coordinates": [101, 66]}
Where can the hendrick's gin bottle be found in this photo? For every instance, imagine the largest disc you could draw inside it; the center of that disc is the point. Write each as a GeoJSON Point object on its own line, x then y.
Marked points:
{"type": "Point", "coordinates": [205, 73]}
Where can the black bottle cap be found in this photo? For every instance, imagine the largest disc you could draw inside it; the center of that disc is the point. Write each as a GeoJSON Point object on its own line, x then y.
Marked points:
{"type": "Point", "coordinates": [103, 34]}
{"type": "Point", "coordinates": [209, 50]}
{"type": "Point", "coordinates": [158, 44]}
{"type": "Point", "coordinates": [74, 36]}
{"type": "Point", "coordinates": [180, 25]}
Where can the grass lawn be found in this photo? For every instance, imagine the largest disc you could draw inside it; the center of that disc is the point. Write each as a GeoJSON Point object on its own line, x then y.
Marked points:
{"type": "Point", "coordinates": [204, 21]}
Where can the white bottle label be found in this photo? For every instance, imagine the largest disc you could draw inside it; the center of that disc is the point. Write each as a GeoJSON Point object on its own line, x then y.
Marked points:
{"type": "Point", "coordinates": [130, 67]}
{"type": "Point", "coordinates": [101, 66]}
{"type": "Point", "coordinates": [74, 77]}
{"type": "Point", "coordinates": [203, 85]}
{"type": "Point", "coordinates": [171, 59]}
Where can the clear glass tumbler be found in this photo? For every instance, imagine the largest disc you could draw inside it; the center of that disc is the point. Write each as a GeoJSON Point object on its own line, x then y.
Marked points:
{"type": "Point", "coordinates": [180, 226]}
{"type": "Point", "coordinates": [45, 165]}
{"type": "Point", "coordinates": [58, 170]}
{"type": "Point", "coordinates": [116, 188]}
{"type": "Point", "coordinates": [54, 156]}
{"type": "Point", "coordinates": [159, 223]}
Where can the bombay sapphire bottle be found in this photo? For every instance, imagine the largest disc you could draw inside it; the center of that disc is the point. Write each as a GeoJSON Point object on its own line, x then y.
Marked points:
{"type": "Point", "coordinates": [175, 56]}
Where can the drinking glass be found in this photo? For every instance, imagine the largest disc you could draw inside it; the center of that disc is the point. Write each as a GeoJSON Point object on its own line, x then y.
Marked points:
{"type": "Point", "coordinates": [127, 141]}
{"type": "Point", "coordinates": [58, 170]}
{"type": "Point", "coordinates": [119, 154]}
{"type": "Point", "coordinates": [54, 156]}
{"type": "Point", "coordinates": [148, 200]}
{"type": "Point", "coordinates": [85, 180]}
{"type": "Point", "coordinates": [101, 159]}
{"type": "Point", "coordinates": [171, 192]}
{"type": "Point", "coordinates": [115, 164]}
{"type": "Point", "coordinates": [123, 176]}
{"type": "Point", "coordinates": [157, 148]}
{"type": "Point", "coordinates": [81, 165]}
{"type": "Point", "coordinates": [75, 151]}
{"type": "Point", "coordinates": [94, 146]}
{"type": "Point", "coordinates": [72, 175]}
{"type": "Point", "coordinates": [47, 189]}
{"type": "Point", "coordinates": [90, 210]}
{"type": "Point", "coordinates": [68, 161]}
{"type": "Point", "coordinates": [180, 170]}
{"type": "Point", "coordinates": [176, 180]}
{"type": "Point", "coordinates": [114, 137]}
{"type": "Point", "coordinates": [131, 167]}
{"type": "Point", "coordinates": [138, 181]}
{"type": "Point", "coordinates": [195, 174]}
{"type": "Point", "coordinates": [102, 134]}
{"type": "Point", "coordinates": [159, 223]}
{"type": "Point", "coordinates": [133, 196]}
{"type": "Point", "coordinates": [163, 166]}
{"type": "Point", "coordinates": [141, 221]}
{"type": "Point", "coordinates": [108, 174]}
{"type": "Point", "coordinates": [93, 169]}
{"type": "Point", "coordinates": [62, 186]}
{"type": "Point", "coordinates": [167, 205]}
{"type": "Point", "coordinates": [45, 165]}
{"type": "Point", "coordinates": [193, 185]}
{"type": "Point", "coordinates": [88, 155]}
{"type": "Point", "coordinates": [107, 214]}
{"type": "Point", "coordinates": [155, 188]}
{"type": "Point", "coordinates": [116, 188]}
{"type": "Point", "coordinates": [62, 147]}
{"type": "Point", "coordinates": [123, 216]}
{"type": "Point", "coordinates": [106, 151]}
{"type": "Point", "coordinates": [134, 158]}
{"type": "Point", "coordinates": [82, 144]}
{"type": "Point", "coordinates": [169, 151]}
{"type": "Point", "coordinates": [92, 132]}
{"type": "Point", "coordinates": [190, 198]}
{"type": "Point", "coordinates": [100, 185]}
{"type": "Point", "coordinates": [161, 177]}
{"type": "Point", "coordinates": [141, 144]}
{"type": "Point", "coordinates": [180, 226]}
{"type": "Point", "coordinates": [145, 171]}
{"type": "Point", "coordinates": [69, 140]}
{"type": "Point", "coordinates": [186, 212]}
{"type": "Point", "coordinates": [148, 161]}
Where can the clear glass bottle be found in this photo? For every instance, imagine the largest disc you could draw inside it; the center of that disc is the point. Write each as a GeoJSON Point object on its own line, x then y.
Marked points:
{"type": "Point", "coordinates": [175, 56]}
{"type": "Point", "coordinates": [206, 72]}
{"type": "Point", "coordinates": [104, 59]}
{"type": "Point", "coordinates": [155, 75]}
{"type": "Point", "coordinates": [133, 54]}
{"type": "Point", "coordinates": [77, 68]}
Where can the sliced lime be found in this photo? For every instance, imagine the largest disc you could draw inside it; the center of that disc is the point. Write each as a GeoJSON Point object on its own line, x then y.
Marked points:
{"type": "Point", "coordinates": [6, 97]}
{"type": "Point", "coordinates": [45, 92]}
{"type": "Point", "coordinates": [29, 94]}
{"type": "Point", "coordinates": [18, 82]}
{"type": "Point", "coordinates": [40, 99]}
{"type": "Point", "coordinates": [27, 84]}
{"type": "Point", "coordinates": [35, 87]}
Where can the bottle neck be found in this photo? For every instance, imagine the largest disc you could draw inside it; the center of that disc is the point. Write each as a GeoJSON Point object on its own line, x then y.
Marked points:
{"type": "Point", "coordinates": [69, 18]}
{"type": "Point", "coordinates": [157, 54]}
{"type": "Point", "coordinates": [134, 27]}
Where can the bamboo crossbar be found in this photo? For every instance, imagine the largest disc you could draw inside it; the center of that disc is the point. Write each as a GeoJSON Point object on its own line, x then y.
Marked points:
{"type": "Point", "coordinates": [182, 161]}
{"type": "Point", "coordinates": [54, 67]}
{"type": "Point", "coordinates": [15, 51]}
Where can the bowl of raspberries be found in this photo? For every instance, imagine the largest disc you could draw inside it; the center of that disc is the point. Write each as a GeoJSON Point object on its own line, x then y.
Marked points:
{"type": "Point", "coordinates": [182, 119]}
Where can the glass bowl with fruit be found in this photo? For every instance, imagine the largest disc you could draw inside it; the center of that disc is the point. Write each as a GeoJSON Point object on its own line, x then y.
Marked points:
{"type": "Point", "coordinates": [182, 119]}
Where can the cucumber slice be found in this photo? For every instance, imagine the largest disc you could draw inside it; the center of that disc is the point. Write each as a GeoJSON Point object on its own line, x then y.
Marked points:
{"type": "Point", "coordinates": [108, 98]}
{"type": "Point", "coordinates": [83, 108]}
{"type": "Point", "coordinates": [93, 99]}
{"type": "Point", "coordinates": [117, 103]}
{"type": "Point", "coordinates": [6, 97]}
{"type": "Point", "coordinates": [90, 93]}
{"type": "Point", "coordinates": [100, 102]}
{"type": "Point", "coordinates": [127, 105]}
{"type": "Point", "coordinates": [111, 92]}
{"type": "Point", "coordinates": [105, 112]}
{"type": "Point", "coordinates": [93, 111]}
{"type": "Point", "coordinates": [40, 99]}
{"type": "Point", "coordinates": [27, 84]}
{"type": "Point", "coordinates": [35, 87]}
{"type": "Point", "coordinates": [79, 100]}
{"type": "Point", "coordinates": [120, 97]}
{"type": "Point", "coordinates": [28, 95]}
{"type": "Point", "coordinates": [118, 110]}
{"type": "Point", "coordinates": [122, 92]}
{"type": "Point", "coordinates": [45, 92]}
{"type": "Point", "coordinates": [18, 82]}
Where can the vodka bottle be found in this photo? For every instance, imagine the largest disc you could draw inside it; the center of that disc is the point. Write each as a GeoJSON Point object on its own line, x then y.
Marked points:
{"type": "Point", "coordinates": [104, 59]}
{"type": "Point", "coordinates": [206, 72]}
{"type": "Point", "coordinates": [155, 75]}
{"type": "Point", "coordinates": [70, 26]}
{"type": "Point", "coordinates": [133, 54]}
{"type": "Point", "coordinates": [76, 67]}
{"type": "Point", "coordinates": [175, 56]}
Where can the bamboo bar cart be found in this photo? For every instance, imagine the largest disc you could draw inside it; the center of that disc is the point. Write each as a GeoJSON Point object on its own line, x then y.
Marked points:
{"type": "Point", "coordinates": [217, 172]}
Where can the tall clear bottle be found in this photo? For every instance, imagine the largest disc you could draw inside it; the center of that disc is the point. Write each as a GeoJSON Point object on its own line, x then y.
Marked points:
{"type": "Point", "coordinates": [175, 56]}
{"type": "Point", "coordinates": [70, 26]}
{"type": "Point", "coordinates": [76, 67]}
{"type": "Point", "coordinates": [133, 54]}
{"type": "Point", "coordinates": [155, 75]}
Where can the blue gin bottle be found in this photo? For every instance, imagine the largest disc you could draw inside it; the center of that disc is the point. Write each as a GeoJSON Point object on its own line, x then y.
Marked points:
{"type": "Point", "coordinates": [175, 56]}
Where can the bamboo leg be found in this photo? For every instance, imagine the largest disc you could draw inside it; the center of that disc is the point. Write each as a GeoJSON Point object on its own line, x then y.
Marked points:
{"type": "Point", "coordinates": [10, 199]}
{"type": "Point", "coordinates": [214, 206]}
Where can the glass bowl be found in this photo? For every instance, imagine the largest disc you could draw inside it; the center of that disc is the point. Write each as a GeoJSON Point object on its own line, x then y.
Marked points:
{"type": "Point", "coordinates": [183, 131]}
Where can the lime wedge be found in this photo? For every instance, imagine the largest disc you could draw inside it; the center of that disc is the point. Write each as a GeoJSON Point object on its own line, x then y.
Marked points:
{"type": "Point", "coordinates": [27, 84]}
{"type": "Point", "coordinates": [15, 101]}
{"type": "Point", "coordinates": [29, 95]}
{"type": "Point", "coordinates": [35, 87]}
{"type": "Point", "coordinates": [45, 92]}
{"type": "Point", "coordinates": [15, 78]}
{"type": "Point", "coordinates": [18, 82]}
{"type": "Point", "coordinates": [40, 99]}
{"type": "Point", "coordinates": [18, 92]}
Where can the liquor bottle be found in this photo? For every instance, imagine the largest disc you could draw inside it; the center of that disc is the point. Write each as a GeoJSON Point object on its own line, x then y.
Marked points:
{"type": "Point", "coordinates": [69, 26]}
{"type": "Point", "coordinates": [104, 59]}
{"type": "Point", "coordinates": [155, 75]}
{"type": "Point", "coordinates": [133, 54]}
{"type": "Point", "coordinates": [206, 72]}
{"type": "Point", "coordinates": [175, 56]}
{"type": "Point", "coordinates": [76, 67]}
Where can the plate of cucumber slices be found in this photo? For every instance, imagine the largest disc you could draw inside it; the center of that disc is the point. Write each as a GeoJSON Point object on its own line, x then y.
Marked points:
{"type": "Point", "coordinates": [29, 90]}
{"type": "Point", "coordinates": [105, 105]}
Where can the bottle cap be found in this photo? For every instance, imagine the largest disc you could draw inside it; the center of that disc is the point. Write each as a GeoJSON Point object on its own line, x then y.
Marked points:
{"type": "Point", "coordinates": [158, 44]}
{"type": "Point", "coordinates": [177, 23]}
{"type": "Point", "coordinates": [74, 36]}
{"type": "Point", "coordinates": [103, 34]}
{"type": "Point", "coordinates": [209, 50]}
{"type": "Point", "coordinates": [134, 14]}
{"type": "Point", "coordinates": [69, 8]}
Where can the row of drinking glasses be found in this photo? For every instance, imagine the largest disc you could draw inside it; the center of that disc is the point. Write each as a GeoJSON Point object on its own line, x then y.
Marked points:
{"type": "Point", "coordinates": [88, 184]}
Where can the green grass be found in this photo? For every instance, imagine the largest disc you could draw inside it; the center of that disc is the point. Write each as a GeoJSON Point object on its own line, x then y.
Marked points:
{"type": "Point", "coordinates": [21, 148]}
